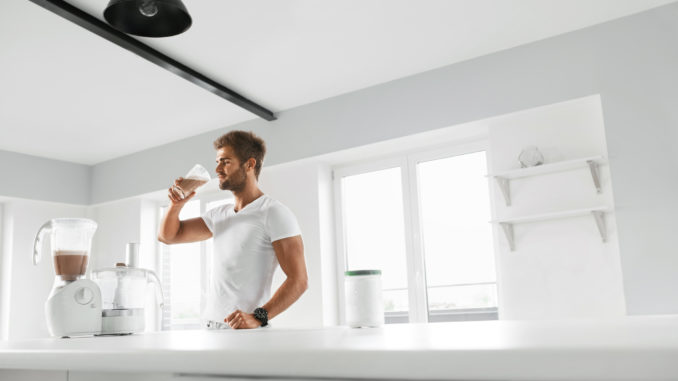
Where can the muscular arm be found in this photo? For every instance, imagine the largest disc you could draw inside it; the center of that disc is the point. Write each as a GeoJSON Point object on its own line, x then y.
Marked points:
{"type": "Point", "coordinates": [290, 254]}
{"type": "Point", "coordinates": [172, 230]}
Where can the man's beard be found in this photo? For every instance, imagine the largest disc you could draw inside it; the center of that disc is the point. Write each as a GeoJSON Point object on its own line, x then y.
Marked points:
{"type": "Point", "coordinates": [235, 182]}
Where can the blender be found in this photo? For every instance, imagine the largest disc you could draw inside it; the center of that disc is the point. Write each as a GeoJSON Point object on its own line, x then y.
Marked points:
{"type": "Point", "coordinates": [73, 307]}
{"type": "Point", "coordinates": [124, 290]}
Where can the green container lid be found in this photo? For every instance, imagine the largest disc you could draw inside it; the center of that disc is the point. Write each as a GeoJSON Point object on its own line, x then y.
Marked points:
{"type": "Point", "coordinates": [362, 272]}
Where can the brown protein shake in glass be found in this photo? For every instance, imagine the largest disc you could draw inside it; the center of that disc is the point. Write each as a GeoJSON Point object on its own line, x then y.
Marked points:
{"type": "Point", "coordinates": [194, 179]}
{"type": "Point", "coordinates": [187, 186]}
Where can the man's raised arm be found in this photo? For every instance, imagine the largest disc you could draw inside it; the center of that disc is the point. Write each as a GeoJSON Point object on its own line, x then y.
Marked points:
{"type": "Point", "coordinates": [172, 230]}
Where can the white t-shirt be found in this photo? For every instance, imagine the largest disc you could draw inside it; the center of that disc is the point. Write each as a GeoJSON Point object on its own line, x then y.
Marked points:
{"type": "Point", "coordinates": [243, 261]}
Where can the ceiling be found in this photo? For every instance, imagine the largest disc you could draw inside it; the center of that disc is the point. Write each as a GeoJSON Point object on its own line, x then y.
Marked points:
{"type": "Point", "coordinates": [70, 95]}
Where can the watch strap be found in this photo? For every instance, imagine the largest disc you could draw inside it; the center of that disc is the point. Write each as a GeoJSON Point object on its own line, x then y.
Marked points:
{"type": "Point", "coordinates": [262, 315]}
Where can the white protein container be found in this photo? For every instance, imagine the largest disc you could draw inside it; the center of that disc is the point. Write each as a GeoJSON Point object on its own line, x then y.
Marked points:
{"type": "Point", "coordinates": [364, 303]}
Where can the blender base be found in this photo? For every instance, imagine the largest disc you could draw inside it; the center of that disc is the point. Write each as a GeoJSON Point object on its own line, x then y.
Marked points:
{"type": "Point", "coordinates": [74, 310]}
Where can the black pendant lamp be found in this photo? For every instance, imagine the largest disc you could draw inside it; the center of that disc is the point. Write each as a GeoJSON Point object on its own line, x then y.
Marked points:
{"type": "Point", "coordinates": [148, 18]}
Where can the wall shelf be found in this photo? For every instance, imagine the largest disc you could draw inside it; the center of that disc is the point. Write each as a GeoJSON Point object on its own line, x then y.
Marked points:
{"type": "Point", "coordinates": [598, 213]}
{"type": "Point", "coordinates": [504, 178]}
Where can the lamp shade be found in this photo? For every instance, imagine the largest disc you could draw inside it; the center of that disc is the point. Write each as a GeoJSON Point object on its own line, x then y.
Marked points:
{"type": "Point", "coordinates": [148, 18]}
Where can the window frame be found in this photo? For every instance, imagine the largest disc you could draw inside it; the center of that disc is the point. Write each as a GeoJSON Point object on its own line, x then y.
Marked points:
{"type": "Point", "coordinates": [407, 161]}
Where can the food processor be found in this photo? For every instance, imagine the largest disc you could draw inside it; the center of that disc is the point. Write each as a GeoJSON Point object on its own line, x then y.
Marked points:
{"type": "Point", "coordinates": [73, 307]}
{"type": "Point", "coordinates": [124, 289]}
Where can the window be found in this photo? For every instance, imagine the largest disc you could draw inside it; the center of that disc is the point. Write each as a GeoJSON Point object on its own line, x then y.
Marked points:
{"type": "Point", "coordinates": [375, 231]}
{"type": "Point", "coordinates": [180, 276]}
{"type": "Point", "coordinates": [185, 272]}
{"type": "Point", "coordinates": [457, 238]}
{"type": "Point", "coordinates": [424, 221]}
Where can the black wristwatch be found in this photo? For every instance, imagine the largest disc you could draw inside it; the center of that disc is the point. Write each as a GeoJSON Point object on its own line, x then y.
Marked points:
{"type": "Point", "coordinates": [261, 315]}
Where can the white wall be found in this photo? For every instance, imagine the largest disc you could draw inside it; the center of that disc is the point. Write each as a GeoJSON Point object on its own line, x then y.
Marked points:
{"type": "Point", "coordinates": [119, 223]}
{"type": "Point", "coordinates": [6, 232]}
{"type": "Point", "coordinates": [560, 268]}
{"type": "Point", "coordinates": [31, 177]}
{"type": "Point", "coordinates": [296, 186]}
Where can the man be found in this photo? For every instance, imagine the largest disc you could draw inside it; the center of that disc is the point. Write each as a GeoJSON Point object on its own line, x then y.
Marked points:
{"type": "Point", "coordinates": [251, 237]}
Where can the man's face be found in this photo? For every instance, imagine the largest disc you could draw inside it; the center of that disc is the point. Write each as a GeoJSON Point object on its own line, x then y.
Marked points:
{"type": "Point", "coordinates": [232, 173]}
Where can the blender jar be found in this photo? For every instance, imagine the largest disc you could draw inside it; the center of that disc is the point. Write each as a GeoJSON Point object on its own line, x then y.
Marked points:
{"type": "Point", "coordinates": [71, 242]}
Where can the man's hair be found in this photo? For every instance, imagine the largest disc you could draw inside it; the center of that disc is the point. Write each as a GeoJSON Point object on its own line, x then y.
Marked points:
{"type": "Point", "coordinates": [245, 145]}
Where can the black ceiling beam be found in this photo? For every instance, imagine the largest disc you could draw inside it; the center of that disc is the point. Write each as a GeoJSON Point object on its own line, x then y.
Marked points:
{"type": "Point", "coordinates": [96, 26]}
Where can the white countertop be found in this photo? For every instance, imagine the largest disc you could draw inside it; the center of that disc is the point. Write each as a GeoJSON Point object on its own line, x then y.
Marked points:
{"type": "Point", "coordinates": [635, 348]}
